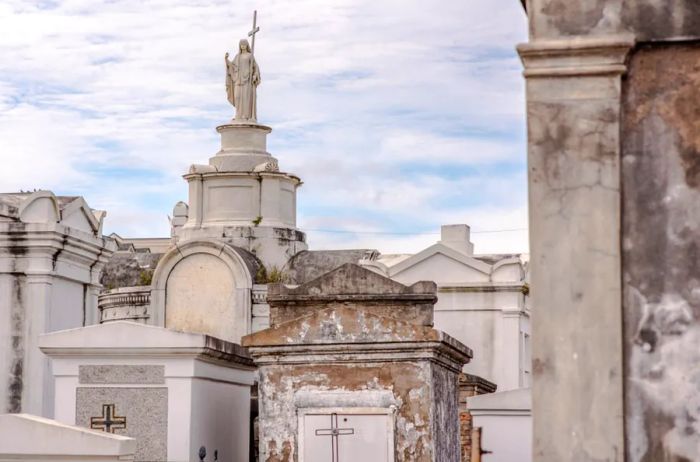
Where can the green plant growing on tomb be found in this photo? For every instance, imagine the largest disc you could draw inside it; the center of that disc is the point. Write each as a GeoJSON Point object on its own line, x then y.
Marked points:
{"type": "Point", "coordinates": [525, 289]}
{"type": "Point", "coordinates": [257, 220]}
{"type": "Point", "coordinates": [275, 275]}
{"type": "Point", "coordinates": [145, 277]}
{"type": "Point", "coordinates": [271, 276]}
{"type": "Point", "coordinates": [261, 275]}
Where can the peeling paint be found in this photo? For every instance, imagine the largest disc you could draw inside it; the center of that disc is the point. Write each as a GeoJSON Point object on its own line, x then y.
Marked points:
{"type": "Point", "coordinates": [361, 351]}
{"type": "Point", "coordinates": [410, 384]}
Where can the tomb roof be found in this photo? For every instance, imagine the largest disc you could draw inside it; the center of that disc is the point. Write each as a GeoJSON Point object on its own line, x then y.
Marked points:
{"type": "Point", "coordinates": [130, 338]}
{"type": "Point", "coordinates": [310, 264]}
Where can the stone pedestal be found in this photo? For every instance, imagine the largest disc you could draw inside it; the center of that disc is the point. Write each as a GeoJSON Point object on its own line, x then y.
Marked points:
{"type": "Point", "coordinates": [242, 197]}
{"type": "Point", "coordinates": [243, 148]}
{"type": "Point", "coordinates": [351, 364]}
{"type": "Point", "coordinates": [174, 392]}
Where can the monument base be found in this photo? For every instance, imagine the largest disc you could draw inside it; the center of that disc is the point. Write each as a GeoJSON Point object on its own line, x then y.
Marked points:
{"type": "Point", "coordinates": [243, 147]}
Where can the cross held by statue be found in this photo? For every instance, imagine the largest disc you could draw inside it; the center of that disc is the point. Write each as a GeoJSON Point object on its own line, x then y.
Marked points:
{"type": "Point", "coordinates": [334, 432]}
{"type": "Point", "coordinates": [109, 421]}
{"type": "Point", "coordinates": [254, 31]}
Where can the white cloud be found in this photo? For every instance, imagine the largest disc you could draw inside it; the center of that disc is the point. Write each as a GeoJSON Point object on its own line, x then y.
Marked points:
{"type": "Point", "coordinates": [355, 91]}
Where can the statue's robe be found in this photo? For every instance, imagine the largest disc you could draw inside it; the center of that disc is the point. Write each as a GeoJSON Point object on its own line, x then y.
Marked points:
{"type": "Point", "coordinates": [242, 78]}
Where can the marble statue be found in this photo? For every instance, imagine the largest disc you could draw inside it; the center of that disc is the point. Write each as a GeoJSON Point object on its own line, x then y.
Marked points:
{"type": "Point", "coordinates": [242, 80]}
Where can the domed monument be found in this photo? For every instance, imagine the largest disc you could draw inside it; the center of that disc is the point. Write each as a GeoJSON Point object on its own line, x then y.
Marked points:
{"type": "Point", "coordinates": [238, 225]}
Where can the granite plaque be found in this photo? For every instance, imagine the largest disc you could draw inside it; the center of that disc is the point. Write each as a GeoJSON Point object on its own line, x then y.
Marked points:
{"type": "Point", "coordinates": [144, 412]}
{"type": "Point", "coordinates": [117, 374]}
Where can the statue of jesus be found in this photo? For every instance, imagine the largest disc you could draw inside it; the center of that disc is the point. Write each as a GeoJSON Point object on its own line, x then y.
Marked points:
{"type": "Point", "coordinates": [242, 80]}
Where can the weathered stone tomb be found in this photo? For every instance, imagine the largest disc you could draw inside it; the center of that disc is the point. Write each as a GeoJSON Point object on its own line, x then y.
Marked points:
{"type": "Point", "coordinates": [351, 369]}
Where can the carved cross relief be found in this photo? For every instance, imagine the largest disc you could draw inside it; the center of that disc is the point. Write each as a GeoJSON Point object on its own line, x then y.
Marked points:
{"type": "Point", "coordinates": [109, 421]}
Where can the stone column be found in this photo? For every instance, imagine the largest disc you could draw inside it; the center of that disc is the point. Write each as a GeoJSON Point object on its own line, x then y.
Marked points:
{"type": "Point", "coordinates": [196, 204]}
{"type": "Point", "coordinates": [38, 390]}
{"type": "Point", "coordinates": [92, 311]}
{"type": "Point", "coordinates": [510, 349]}
{"type": "Point", "coordinates": [573, 110]}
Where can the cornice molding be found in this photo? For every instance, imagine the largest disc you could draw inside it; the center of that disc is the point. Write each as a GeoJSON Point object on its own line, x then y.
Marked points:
{"type": "Point", "coordinates": [579, 56]}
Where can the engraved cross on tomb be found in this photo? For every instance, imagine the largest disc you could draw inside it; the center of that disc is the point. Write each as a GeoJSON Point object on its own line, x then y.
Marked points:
{"type": "Point", "coordinates": [109, 421]}
{"type": "Point", "coordinates": [334, 432]}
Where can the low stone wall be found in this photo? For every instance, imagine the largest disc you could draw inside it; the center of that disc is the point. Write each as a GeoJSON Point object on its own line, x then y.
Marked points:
{"type": "Point", "coordinates": [125, 304]}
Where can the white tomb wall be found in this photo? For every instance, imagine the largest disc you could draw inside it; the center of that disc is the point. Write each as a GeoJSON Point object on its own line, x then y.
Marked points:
{"type": "Point", "coordinates": [270, 203]}
{"type": "Point", "coordinates": [505, 419]}
{"type": "Point", "coordinates": [215, 406]}
{"type": "Point", "coordinates": [207, 396]}
{"type": "Point", "coordinates": [480, 328]}
{"type": "Point", "coordinates": [231, 199]}
{"type": "Point", "coordinates": [40, 210]}
{"type": "Point", "coordinates": [68, 304]}
{"type": "Point", "coordinates": [480, 304]}
{"type": "Point", "coordinates": [442, 267]}
{"type": "Point", "coordinates": [51, 256]}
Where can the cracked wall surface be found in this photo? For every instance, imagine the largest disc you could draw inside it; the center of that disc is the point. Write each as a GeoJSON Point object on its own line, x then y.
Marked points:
{"type": "Point", "coordinates": [614, 172]}
{"type": "Point", "coordinates": [355, 339]}
{"type": "Point", "coordinates": [661, 259]}
{"type": "Point", "coordinates": [409, 384]}
{"type": "Point", "coordinates": [573, 162]}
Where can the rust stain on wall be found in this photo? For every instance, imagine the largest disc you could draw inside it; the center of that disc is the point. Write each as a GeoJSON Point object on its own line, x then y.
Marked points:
{"type": "Point", "coordinates": [661, 253]}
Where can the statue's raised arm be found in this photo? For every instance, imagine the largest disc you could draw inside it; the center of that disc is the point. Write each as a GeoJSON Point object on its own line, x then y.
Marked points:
{"type": "Point", "coordinates": [229, 80]}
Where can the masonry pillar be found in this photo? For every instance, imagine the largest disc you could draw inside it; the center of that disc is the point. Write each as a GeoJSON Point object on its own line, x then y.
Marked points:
{"type": "Point", "coordinates": [573, 110]}
{"type": "Point", "coordinates": [614, 157]}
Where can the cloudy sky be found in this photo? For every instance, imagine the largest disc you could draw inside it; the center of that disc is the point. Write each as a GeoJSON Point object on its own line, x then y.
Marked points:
{"type": "Point", "coordinates": [399, 115]}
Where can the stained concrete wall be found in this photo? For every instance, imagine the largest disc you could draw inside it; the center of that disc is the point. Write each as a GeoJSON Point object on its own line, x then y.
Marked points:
{"type": "Point", "coordinates": [661, 257]}
{"type": "Point", "coordinates": [409, 384]}
{"type": "Point", "coordinates": [614, 149]}
{"type": "Point", "coordinates": [12, 341]}
{"type": "Point", "coordinates": [28, 308]}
